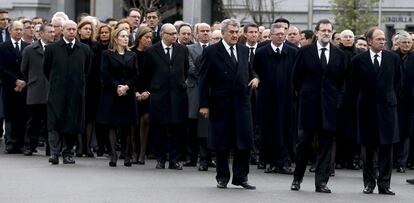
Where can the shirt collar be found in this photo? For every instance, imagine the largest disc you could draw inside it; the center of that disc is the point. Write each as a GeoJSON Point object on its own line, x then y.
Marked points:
{"type": "Point", "coordinates": [254, 46]}
{"type": "Point", "coordinates": [373, 53]}
{"type": "Point", "coordinates": [164, 46]}
{"type": "Point", "coordinates": [227, 46]}
{"type": "Point", "coordinates": [201, 44]}
{"type": "Point", "coordinates": [274, 47]}
{"type": "Point", "coordinates": [42, 43]}
{"type": "Point", "coordinates": [66, 41]}
{"type": "Point", "coordinates": [320, 46]}
{"type": "Point", "coordinates": [14, 41]}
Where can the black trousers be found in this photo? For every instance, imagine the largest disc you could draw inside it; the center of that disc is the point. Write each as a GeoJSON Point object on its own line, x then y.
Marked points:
{"type": "Point", "coordinates": [15, 122]}
{"type": "Point", "coordinates": [384, 165]}
{"type": "Point", "coordinates": [205, 153]}
{"type": "Point", "coordinates": [240, 166]}
{"type": "Point", "coordinates": [303, 150]}
{"type": "Point", "coordinates": [191, 142]}
{"type": "Point", "coordinates": [61, 142]}
{"type": "Point", "coordinates": [167, 138]}
{"type": "Point", "coordinates": [402, 151]}
{"type": "Point", "coordinates": [35, 125]}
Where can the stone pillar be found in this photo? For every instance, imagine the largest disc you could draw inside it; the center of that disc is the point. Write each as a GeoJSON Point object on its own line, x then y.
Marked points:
{"type": "Point", "coordinates": [196, 11]}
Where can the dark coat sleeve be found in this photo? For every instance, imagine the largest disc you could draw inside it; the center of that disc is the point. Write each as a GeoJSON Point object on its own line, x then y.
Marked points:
{"type": "Point", "coordinates": [204, 79]}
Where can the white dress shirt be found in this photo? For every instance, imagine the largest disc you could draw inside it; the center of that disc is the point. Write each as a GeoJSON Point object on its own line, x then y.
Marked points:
{"type": "Point", "coordinates": [379, 57]}
{"type": "Point", "coordinates": [227, 47]}
{"type": "Point", "coordinates": [328, 47]}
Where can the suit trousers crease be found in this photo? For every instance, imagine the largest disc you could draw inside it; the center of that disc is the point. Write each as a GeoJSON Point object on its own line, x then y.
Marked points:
{"type": "Point", "coordinates": [384, 165]}
{"type": "Point", "coordinates": [240, 167]}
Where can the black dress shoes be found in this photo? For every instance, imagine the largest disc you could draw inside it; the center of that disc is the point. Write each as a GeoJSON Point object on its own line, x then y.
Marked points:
{"type": "Point", "coordinates": [400, 169]}
{"type": "Point", "coordinates": [295, 185]}
{"type": "Point", "coordinates": [160, 165]}
{"type": "Point", "coordinates": [127, 161]}
{"type": "Point", "coordinates": [385, 191]}
{"type": "Point", "coordinates": [203, 168]}
{"type": "Point", "coordinates": [68, 160]}
{"type": "Point", "coordinates": [322, 189]}
{"type": "Point", "coordinates": [270, 169]}
{"type": "Point", "coordinates": [27, 152]}
{"type": "Point", "coordinates": [411, 181]}
{"type": "Point", "coordinates": [284, 170]}
{"type": "Point", "coordinates": [221, 184]}
{"type": "Point", "coordinates": [54, 159]}
{"type": "Point", "coordinates": [175, 166]}
{"type": "Point", "coordinates": [212, 164]}
{"type": "Point", "coordinates": [190, 164]}
{"type": "Point", "coordinates": [368, 190]}
{"type": "Point", "coordinates": [113, 160]}
{"type": "Point", "coordinates": [245, 185]}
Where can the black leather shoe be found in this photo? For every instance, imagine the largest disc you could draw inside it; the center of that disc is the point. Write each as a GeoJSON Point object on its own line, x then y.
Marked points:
{"type": "Point", "coordinates": [68, 160]}
{"type": "Point", "coordinates": [322, 189]}
{"type": "Point", "coordinates": [160, 165]}
{"type": "Point", "coordinates": [54, 159]}
{"type": "Point", "coordinates": [385, 191]}
{"type": "Point", "coordinates": [175, 166]}
{"type": "Point", "coordinates": [221, 184]}
{"type": "Point", "coordinates": [113, 160]}
{"type": "Point", "coordinates": [400, 169]}
{"type": "Point", "coordinates": [295, 185]}
{"type": "Point", "coordinates": [312, 169]}
{"type": "Point", "coordinates": [270, 169]}
{"type": "Point", "coordinates": [141, 162]}
{"type": "Point", "coordinates": [411, 181]}
{"type": "Point", "coordinates": [261, 165]}
{"type": "Point", "coordinates": [190, 164]}
{"type": "Point", "coordinates": [245, 185]}
{"type": "Point", "coordinates": [202, 168]}
{"type": "Point", "coordinates": [27, 152]}
{"type": "Point", "coordinates": [212, 164]}
{"type": "Point", "coordinates": [284, 170]}
{"type": "Point", "coordinates": [368, 190]}
{"type": "Point", "coordinates": [127, 161]}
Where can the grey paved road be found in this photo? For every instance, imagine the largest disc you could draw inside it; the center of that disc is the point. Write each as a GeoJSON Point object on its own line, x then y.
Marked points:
{"type": "Point", "coordinates": [33, 179]}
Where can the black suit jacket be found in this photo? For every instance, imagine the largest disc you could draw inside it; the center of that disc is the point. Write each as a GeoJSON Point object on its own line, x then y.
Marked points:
{"type": "Point", "coordinates": [318, 89]}
{"type": "Point", "coordinates": [165, 80]}
{"type": "Point", "coordinates": [224, 90]}
{"type": "Point", "coordinates": [375, 94]}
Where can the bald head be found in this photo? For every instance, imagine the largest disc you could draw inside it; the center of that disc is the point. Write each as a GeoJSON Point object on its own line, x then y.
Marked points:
{"type": "Point", "coordinates": [69, 30]}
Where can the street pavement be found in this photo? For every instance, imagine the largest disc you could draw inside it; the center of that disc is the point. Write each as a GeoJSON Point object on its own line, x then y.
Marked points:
{"type": "Point", "coordinates": [32, 179]}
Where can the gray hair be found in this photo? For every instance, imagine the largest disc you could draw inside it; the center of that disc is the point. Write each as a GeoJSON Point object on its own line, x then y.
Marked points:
{"type": "Point", "coordinates": [402, 35]}
{"type": "Point", "coordinates": [343, 33]}
{"type": "Point", "coordinates": [59, 20]}
{"type": "Point", "coordinates": [164, 26]}
{"type": "Point", "coordinates": [227, 22]}
{"type": "Point", "coordinates": [14, 23]}
{"type": "Point", "coordinates": [276, 26]}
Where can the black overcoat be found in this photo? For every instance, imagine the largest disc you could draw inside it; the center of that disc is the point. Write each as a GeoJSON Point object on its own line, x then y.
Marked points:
{"type": "Point", "coordinates": [224, 90]}
{"type": "Point", "coordinates": [376, 98]}
{"type": "Point", "coordinates": [165, 80]}
{"type": "Point", "coordinates": [318, 89]}
{"type": "Point", "coordinates": [66, 70]}
{"type": "Point", "coordinates": [275, 94]}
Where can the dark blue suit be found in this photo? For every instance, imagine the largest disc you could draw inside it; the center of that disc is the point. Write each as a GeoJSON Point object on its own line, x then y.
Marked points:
{"type": "Point", "coordinates": [224, 90]}
{"type": "Point", "coordinates": [318, 90]}
{"type": "Point", "coordinates": [14, 102]}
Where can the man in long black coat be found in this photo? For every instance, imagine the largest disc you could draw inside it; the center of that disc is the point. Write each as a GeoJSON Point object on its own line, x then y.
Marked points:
{"type": "Point", "coordinates": [165, 71]}
{"type": "Point", "coordinates": [224, 82]}
{"type": "Point", "coordinates": [14, 98]}
{"type": "Point", "coordinates": [273, 63]}
{"type": "Point", "coordinates": [65, 64]}
{"type": "Point", "coordinates": [375, 83]}
{"type": "Point", "coordinates": [318, 80]}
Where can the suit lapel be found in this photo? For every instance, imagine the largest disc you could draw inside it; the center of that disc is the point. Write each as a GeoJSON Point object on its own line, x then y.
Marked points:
{"type": "Point", "coordinates": [384, 63]}
{"type": "Point", "coordinates": [10, 46]}
{"type": "Point", "coordinates": [160, 50]}
{"type": "Point", "coordinates": [224, 55]}
{"type": "Point", "coordinates": [38, 47]}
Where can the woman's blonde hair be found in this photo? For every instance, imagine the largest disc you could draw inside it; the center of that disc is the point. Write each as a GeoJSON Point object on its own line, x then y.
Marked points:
{"type": "Point", "coordinates": [113, 44]}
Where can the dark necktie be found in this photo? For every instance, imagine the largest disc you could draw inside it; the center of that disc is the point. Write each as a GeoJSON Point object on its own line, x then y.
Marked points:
{"type": "Point", "coordinates": [168, 53]}
{"type": "Point", "coordinates": [277, 51]}
{"type": "Point", "coordinates": [204, 46]}
{"type": "Point", "coordinates": [376, 63]}
{"type": "Point", "coordinates": [1, 36]}
{"type": "Point", "coordinates": [232, 56]}
{"type": "Point", "coordinates": [16, 47]}
{"type": "Point", "coordinates": [251, 54]}
{"type": "Point", "coordinates": [323, 58]}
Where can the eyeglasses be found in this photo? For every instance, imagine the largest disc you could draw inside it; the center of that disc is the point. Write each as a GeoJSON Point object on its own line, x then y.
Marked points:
{"type": "Point", "coordinates": [171, 33]}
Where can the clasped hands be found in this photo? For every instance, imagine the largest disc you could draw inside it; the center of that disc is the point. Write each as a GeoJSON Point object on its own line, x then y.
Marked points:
{"type": "Point", "coordinates": [122, 90]}
{"type": "Point", "coordinates": [142, 96]}
{"type": "Point", "coordinates": [20, 84]}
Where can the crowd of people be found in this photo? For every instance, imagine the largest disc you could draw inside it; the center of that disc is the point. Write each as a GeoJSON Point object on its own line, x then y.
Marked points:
{"type": "Point", "coordinates": [277, 97]}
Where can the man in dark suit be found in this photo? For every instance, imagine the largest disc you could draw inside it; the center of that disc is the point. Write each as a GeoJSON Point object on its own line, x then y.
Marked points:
{"type": "Point", "coordinates": [375, 83]}
{"type": "Point", "coordinates": [225, 81]}
{"type": "Point", "coordinates": [318, 79]}
{"type": "Point", "coordinates": [13, 95]}
{"type": "Point", "coordinates": [4, 33]}
{"type": "Point", "coordinates": [165, 70]}
{"type": "Point", "coordinates": [196, 122]}
{"type": "Point", "coordinates": [65, 64]}
{"type": "Point", "coordinates": [37, 86]}
{"type": "Point", "coordinates": [152, 18]}
{"type": "Point", "coordinates": [273, 64]}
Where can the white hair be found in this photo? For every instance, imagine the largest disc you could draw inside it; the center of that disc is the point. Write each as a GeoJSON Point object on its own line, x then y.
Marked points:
{"type": "Point", "coordinates": [346, 32]}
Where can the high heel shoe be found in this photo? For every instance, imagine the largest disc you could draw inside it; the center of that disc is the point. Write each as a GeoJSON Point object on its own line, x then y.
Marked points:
{"type": "Point", "coordinates": [127, 161]}
{"type": "Point", "coordinates": [114, 159]}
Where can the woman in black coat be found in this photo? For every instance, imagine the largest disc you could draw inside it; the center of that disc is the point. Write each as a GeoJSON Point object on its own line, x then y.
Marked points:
{"type": "Point", "coordinates": [92, 88]}
{"type": "Point", "coordinates": [117, 107]}
{"type": "Point", "coordinates": [143, 41]}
